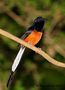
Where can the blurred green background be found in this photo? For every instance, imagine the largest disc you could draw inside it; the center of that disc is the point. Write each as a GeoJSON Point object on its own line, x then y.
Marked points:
{"type": "Point", "coordinates": [34, 72]}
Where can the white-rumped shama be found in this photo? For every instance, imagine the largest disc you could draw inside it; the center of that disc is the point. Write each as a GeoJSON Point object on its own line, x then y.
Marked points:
{"type": "Point", "coordinates": [33, 36]}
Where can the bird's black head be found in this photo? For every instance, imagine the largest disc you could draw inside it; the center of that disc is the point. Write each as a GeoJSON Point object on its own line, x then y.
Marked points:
{"type": "Point", "coordinates": [39, 23]}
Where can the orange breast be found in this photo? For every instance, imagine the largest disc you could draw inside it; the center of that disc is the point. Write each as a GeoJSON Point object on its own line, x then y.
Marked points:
{"type": "Point", "coordinates": [34, 37]}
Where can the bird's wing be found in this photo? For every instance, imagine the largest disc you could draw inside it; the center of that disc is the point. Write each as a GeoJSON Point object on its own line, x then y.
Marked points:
{"type": "Point", "coordinates": [27, 32]}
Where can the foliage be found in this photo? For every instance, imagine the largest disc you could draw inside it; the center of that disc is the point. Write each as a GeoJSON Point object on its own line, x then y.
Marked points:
{"type": "Point", "coordinates": [33, 73]}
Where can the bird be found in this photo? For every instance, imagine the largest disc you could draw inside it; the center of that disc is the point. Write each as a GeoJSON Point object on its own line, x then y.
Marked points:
{"type": "Point", "coordinates": [32, 36]}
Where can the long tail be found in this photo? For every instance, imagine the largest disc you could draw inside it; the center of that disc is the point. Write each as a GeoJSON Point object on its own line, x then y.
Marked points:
{"type": "Point", "coordinates": [11, 77]}
{"type": "Point", "coordinates": [15, 64]}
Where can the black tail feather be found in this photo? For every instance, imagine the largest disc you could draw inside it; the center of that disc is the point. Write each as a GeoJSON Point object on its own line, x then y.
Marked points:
{"type": "Point", "coordinates": [11, 77]}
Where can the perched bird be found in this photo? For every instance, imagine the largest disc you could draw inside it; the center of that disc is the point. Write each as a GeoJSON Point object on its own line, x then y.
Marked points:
{"type": "Point", "coordinates": [33, 35]}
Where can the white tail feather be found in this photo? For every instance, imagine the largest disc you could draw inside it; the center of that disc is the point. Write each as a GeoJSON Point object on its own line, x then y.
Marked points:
{"type": "Point", "coordinates": [17, 59]}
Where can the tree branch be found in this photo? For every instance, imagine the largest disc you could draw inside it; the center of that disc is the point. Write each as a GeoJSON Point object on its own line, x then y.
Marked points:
{"type": "Point", "coordinates": [37, 50]}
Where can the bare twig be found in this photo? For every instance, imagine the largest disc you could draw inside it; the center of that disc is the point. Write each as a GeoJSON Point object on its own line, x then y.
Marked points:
{"type": "Point", "coordinates": [39, 51]}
